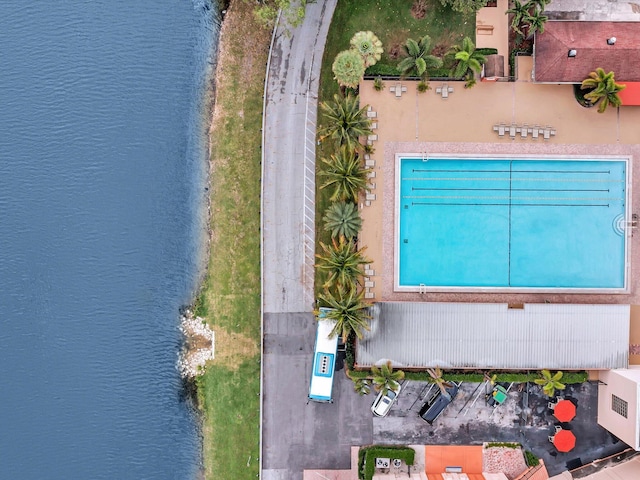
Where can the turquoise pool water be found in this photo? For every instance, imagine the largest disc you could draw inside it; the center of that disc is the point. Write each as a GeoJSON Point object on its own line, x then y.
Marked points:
{"type": "Point", "coordinates": [512, 223]}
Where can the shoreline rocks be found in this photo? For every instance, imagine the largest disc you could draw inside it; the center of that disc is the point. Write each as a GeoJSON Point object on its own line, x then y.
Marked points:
{"type": "Point", "coordinates": [199, 345]}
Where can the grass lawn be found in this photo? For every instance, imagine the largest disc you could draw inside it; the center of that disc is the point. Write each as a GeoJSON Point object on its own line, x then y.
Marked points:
{"type": "Point", "coordinates": [230, 299]}
{"type": "Point", "coordinates": [392, 22]}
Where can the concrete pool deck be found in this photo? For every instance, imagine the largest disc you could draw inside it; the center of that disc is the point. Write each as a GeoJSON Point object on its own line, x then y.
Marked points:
{"type": "Point", "coordinates": [463, 124]}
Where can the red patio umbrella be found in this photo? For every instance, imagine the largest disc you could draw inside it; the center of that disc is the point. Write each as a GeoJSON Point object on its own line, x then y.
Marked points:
{"type": "Point", "coordinates": [564, 440]}
{"type": "Point", "coordinates": [564, 411]}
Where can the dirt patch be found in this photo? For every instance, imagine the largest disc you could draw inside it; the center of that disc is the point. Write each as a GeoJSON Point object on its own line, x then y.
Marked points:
{"type": "Point", "coordinates": [233, 348]}
{"type": "Point", "coordinates": [419, 9]}
{"type": "Point", "coordinates": [447, 40]}
{"type": "Point", "coordinates": [396, 42]}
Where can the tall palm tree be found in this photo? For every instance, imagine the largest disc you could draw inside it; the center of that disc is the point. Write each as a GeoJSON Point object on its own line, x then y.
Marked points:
{"type": "Point", "coordinates": [604, 89]}
{"type": "Point", "coordinates": [436, 375]}
{"type": "Point", "coordinates": [550, 383]}
{"type": "Point", "coordinates": [342, 219]}
{"type": "Point", "coordinates": [520, 11]}
{"type": "Point", "coordinates": [342, 261]}
{"type": "Point", "coordinates": [418, 60]}
{"type": "Point", "coordinates": [348, 68]}
{"type": "Point", "coordinates": [346, 122]}
{"type": "Point", "coordinates": [467, 61]}
{"type": "Point", "coordinates": [534, 22]}
{"type": "Point", "coordinates": [385, 378]}
{"type": "Point", "coordinates": [369, 46]}
{"type": "Point", "coordinates": [343, 171]}
{"type": "Point", "coordinates": [348, 309]}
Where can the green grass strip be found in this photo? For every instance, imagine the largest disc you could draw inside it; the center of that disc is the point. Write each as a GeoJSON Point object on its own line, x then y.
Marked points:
{"type": "Point", "coordinates": [230, 296]}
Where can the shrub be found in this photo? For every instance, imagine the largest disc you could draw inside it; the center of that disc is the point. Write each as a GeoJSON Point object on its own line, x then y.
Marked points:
{"type": "Point", "coordinates": [487, 51]}
{"type": "Point", "coordinates": [348, 68]}
{"type": "Point", "coordinates": [423, 86]}
{"type": "Point", "coordinates": [531, 459]}
{"type": "Point", "coordinates": [503, 445]}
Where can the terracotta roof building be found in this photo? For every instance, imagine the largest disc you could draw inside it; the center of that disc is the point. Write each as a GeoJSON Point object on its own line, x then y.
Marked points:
{"type": "Point", "coordinates": [567, 51]}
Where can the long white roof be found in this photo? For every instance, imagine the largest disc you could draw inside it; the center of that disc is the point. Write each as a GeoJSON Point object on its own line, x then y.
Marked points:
{"type": "Point", "coordinates": [494, 336]}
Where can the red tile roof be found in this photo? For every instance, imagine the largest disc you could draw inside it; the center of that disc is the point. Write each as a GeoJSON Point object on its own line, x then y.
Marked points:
{"type": "Point", "coordinates": [631, 94]}
{"type": "Point", "coordinates": [553, 65]}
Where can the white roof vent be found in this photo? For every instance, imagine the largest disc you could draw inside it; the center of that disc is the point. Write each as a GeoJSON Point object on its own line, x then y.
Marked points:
{"type": "Point", "coordinates": [611, 41]}
{"type": "Point", "coordinates": [572, 53]}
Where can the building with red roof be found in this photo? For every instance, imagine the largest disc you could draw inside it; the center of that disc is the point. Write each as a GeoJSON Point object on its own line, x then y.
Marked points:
{"type": "Point", "coordinates": [568, 51]}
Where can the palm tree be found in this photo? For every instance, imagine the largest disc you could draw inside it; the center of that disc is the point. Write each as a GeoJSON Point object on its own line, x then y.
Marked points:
{"type": "Point", "coordinates": [385, 379]}
{"type": "Point", "coordinates": [343, 171]}
{"type": "Point", "coordinates": [342, 261]}
{"type": "Point", "coordinates": [361, 386]}
{"type": "Point", "coordinates": [369, 46]}
{"type": "Point", "coordinates": [348, 68]}
{"type": "Point", "coordinates": [604, 89]}
{"type": "Point", "coordinates": [550, 383]}
{"type": "Point", "coordinates": [540, 4]}
{"type": "Point", "coordinates": [348, 309]}
{"type": "Point", "coordinates": [345, 121]}
{"type": "Point", "coordinates": [436, 375]}
{"type": "Point", "coordinates": [342, 219]}
{"type": "Point", "coordinates": [520, 11]}
{"type": "Point", "coordinates": [418, 61]}
{"type": "Point", "coordinates": [468, 61]}
{"type": "Point", "coordinates": [534, 22]}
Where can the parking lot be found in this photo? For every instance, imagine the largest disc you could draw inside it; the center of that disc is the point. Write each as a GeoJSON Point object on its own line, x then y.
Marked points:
{"type": "Point", "coordinates": [524, 417]}
{"type": "Point", "coordinates": [300, 435]}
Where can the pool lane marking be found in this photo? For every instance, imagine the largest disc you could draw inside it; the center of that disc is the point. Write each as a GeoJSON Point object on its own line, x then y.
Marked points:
{"type": "Point", "coordinates": [549, 199]}
{"type": "Point", "coordinates": [514, 189]}
{"type": "Point", "coordinates": [510, 201]}
{"type": "Point", "coordinates": [608, 172]}
{"type": "Point", "coordinates": [439, 204]}
{"type": "Point", "coordinates": [504, 179]}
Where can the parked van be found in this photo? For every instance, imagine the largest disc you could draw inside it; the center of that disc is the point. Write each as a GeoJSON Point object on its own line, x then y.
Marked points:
{"type": "Point", "coordinates": [436, 404]}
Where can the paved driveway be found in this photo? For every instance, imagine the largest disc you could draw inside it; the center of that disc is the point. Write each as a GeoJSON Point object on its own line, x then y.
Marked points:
{"type": "Point", "coordinates": [297, 434]}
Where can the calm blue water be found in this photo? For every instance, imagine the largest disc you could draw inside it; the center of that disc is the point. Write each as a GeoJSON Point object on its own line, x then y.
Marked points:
{"type": "Point", "coordinates": [102, 176]}
{"type": "Point", "coordinates": [512, 223]}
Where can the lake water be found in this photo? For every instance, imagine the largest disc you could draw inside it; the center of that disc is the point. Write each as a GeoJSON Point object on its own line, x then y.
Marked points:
{"type": "Point", "coordinates": [102, 222]}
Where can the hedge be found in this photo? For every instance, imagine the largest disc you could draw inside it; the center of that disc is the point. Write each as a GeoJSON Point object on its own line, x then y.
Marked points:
{"type": "Point", "coordinates": [487, 51]}
{"type": "Point", "coordinates": [475, 377]}
{"type": "Point", "coordinates": [386, 70]}
{"type": "Point", "coordinates": [367, 458]}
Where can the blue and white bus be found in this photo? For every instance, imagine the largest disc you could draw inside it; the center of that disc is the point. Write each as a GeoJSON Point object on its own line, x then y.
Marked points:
{"type": "Point", "coordinates": [324, 360]}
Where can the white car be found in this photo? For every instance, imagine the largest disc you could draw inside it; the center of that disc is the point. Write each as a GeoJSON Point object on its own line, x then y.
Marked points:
{"type": "Point", "coordinates": [382, 403]}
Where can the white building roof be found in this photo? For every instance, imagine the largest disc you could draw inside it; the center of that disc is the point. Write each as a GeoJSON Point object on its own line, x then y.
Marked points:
{"type": "Point", "coordinates": [494, 336]}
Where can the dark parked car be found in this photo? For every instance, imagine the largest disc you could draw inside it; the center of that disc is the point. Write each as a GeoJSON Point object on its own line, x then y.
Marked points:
{"type": "Point", "coordinates": [435, 405]}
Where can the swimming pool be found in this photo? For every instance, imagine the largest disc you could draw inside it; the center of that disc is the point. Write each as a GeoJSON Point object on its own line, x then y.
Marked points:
{"type": "Point", "coordinates": [511, 223]}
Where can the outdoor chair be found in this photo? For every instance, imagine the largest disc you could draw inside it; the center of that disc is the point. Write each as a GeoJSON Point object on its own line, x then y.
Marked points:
{"type": "Point", "coordinates": [558, 428]}
{"type": "Point", "coordinates": [552, 406]}
{"type": "Point", "coordinates": [551, 437]}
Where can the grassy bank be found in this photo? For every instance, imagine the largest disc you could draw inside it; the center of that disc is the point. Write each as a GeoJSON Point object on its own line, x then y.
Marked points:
{"type": "Point", "coordinates": [230, 298]}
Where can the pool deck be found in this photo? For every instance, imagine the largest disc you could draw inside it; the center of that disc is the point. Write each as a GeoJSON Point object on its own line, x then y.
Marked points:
{"type": "Point", "coordinates": [463, 124]}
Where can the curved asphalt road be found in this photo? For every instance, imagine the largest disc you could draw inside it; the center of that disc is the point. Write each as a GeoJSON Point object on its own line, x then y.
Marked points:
{"type": "Point", "coordinates": [297, 435]}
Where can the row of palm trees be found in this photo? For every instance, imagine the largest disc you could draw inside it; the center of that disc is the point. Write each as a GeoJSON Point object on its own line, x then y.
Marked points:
{"type": "Point", "coordinates": [344, 175]}
{"type": "Point", "coordinates": [464, 61]}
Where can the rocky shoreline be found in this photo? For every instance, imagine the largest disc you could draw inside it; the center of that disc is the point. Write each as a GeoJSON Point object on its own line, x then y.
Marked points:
{"type": "Point", "coordinates": [199, 345]}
